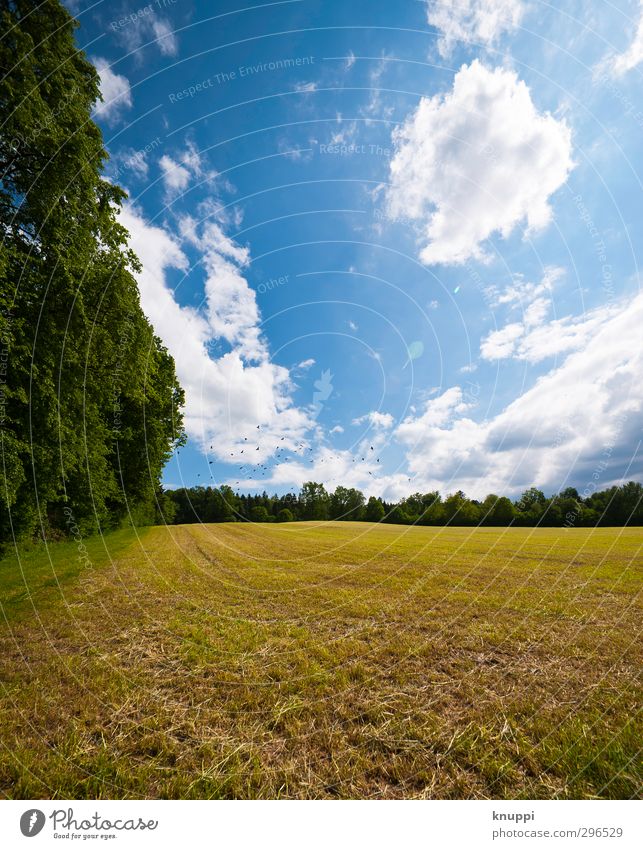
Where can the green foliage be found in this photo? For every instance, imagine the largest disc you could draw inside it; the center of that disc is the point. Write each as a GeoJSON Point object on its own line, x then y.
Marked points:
{"type": "Point", "coordinates": [374, 510]}
{"type": "Point", "coordinates": [615, 506]}
{"type": "Point", "coordinates": [458, 510]}
{"type": "Point", "coordinates": [90, 406]}
{"type": "Point", "coordinates": [314, 501]}
{"type": "Point", "coordinates": [397, 516]}
{"type": "Point", "coordinates": [497, 511]}
{"type": "Point", "coordinates": [259, 514]}
{"type": "Point", "coordinates": [347, 504]}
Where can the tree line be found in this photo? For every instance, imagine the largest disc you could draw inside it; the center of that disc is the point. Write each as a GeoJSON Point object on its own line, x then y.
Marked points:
{"type": "Point", "coordinates": [615, 506]}
{"type": "Point", "coordinates": [89, 400]}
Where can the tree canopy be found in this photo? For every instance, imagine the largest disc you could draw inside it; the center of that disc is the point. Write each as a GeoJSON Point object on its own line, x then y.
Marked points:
{"type": "Point", "coordinates": [90, 407]}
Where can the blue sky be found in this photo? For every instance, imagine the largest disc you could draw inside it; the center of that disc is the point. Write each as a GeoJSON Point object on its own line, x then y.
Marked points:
{"type": "Point", "coordinates": [394, 246]}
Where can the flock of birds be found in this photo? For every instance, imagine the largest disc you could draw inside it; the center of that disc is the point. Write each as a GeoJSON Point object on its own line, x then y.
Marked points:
{"type": "Point", "coordinates": [252, 471]}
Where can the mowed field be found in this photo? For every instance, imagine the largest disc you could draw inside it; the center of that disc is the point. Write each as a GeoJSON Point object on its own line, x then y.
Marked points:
{"type": "Point", "coordinates": [324, 660]}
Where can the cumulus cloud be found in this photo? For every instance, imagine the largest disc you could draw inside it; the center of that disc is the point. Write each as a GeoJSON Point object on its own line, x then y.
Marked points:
{"type": "Point", "coordinates": [233, 313]}
{"type": "Point", "coordinates": [477, 161]}
{"type": "Point", "coordinates": [226, 396]}
{"type": "Point", "coordinates": [376, 419]}
{"type": "Point", "coordinates": [501, 343]}
{"type": "Point", "coordinates": [620, 63]}
{"type": "Point", "coordinates": [479, 21]}
{"type": "Point", "coordinates": [116, 92]}
{"type": "Point", "coordinates": [586, 412]}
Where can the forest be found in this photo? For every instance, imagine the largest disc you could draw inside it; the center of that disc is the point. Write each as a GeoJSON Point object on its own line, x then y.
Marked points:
{"type": "Point", "coordinates": [615, 506]}
{"type": "Point", "coordinates": [90, 407]}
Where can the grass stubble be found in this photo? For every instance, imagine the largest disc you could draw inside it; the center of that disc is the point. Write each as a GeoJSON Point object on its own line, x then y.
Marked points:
{"type": "Point", "coordinates": [323, 660]}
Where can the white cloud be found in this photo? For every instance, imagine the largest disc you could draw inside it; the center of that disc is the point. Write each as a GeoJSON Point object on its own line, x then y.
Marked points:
{"type": "Point", "coordinates": [524, 293]}
{"type": "Point", "coordinates": [586, 411]}
{"type": "Point", "coordinates": [116, 91]}
{"type": "Point", "coordinates": [232, 307]}
{"type": "Point", "coordinates": [297, 154]}
{"type": "Point", "coordinates": [376, 419]}
{"type": "Point", "coordinates": [306, 364]}
{"type": "Point", "coordinates": [306, 88]}
{"type": "Point", "coordinates": [337, 429]}
{"type": "Point", "coordinates": [178, 172]}
{"type": "Point", "coordinates": [175, 177]}
{"type": "Point", "coordinates": [149, 27]}
{"type": "Point", "coordinates": [536, 337]}
{"type": "Point", "coordinates": [165, 37]}
{"type": "Point", "coordinates": [226, 396]}
{"type": "Point", "coordinates": [126, 159]}
{"type": "Point", "coordinates": [547, 339]}
{"type": "Point", "coordinates": [621, 63]}
{"type": "Point", "coordinates": [480, 21]}
{"type": "Point", "coordinates": [501, 343]}
{"type": "Point", "coordinates": [477, 161]}
{"type": "Point", "coordinates": [379, 105]}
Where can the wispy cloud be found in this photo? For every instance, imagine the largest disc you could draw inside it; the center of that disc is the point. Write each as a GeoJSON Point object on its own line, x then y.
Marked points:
{"type": "Point", "coordinates": [618, 64]}
{"type": "Point", "coordinates": [481, 22]}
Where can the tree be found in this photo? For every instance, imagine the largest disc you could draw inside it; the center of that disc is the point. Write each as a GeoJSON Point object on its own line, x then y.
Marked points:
{"type": "Point", "coordinates": [397, 516]}
{"type": "Point", "coordinates": [434, 510]}
{"type": "Point", "coordinates": [458, 510]}
{"type": "Point", "coordinates": [285, 515]}
{"type": "Point", "coordinates": [166, 508]}
{"type": "Point", "coordinates": [374, 510]}
{"type": "Point", "coordinates": [314, 501]}
{"type": "Point", "coordinates": [531, 506]}
{"type": "Point", "coordinates": [91, 406]}
{"type": "Point", "coordinates": [496, 511]}
{"type": "Point", "coordinates": [346, 504]}
{"type": "Point", "coordinates": [530, 498]}
{"type": "Point", "coordinates": [424, 507]}
{"type": "Point", "coordinates": [259, 514]}
{"type": "Point", "coordinates": [625, 507]}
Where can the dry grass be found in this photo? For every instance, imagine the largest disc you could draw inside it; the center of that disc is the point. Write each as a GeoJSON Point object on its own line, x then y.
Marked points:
{"type": "Point", "coordinates": [324, 660]}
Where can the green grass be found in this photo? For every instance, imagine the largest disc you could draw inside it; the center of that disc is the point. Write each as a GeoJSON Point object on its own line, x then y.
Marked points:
{"type": "Point", "coordinates": [333, 660]}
